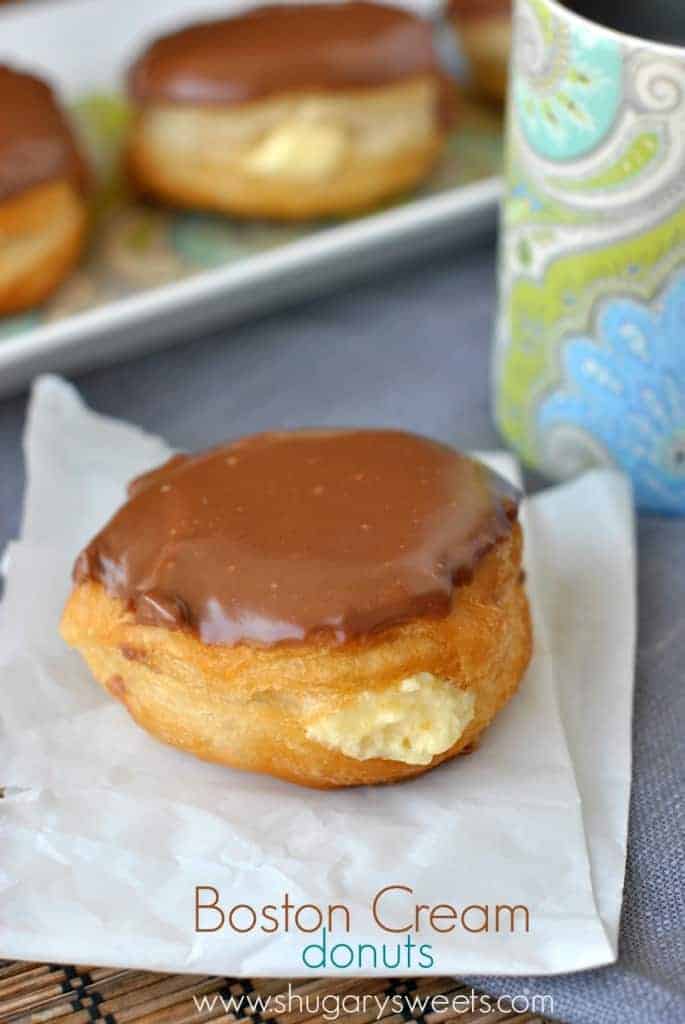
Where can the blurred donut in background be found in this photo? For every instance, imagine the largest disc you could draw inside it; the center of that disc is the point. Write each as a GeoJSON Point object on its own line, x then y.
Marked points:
{"type": "Point", "coordinates": [43, 181]}
{"type": "Point", "coordinates": [288, 112]}
{"type": "Point", "coordinates": [484, 29]}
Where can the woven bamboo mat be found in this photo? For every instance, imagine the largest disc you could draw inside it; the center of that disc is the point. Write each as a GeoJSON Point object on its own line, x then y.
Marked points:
{"type": "Point", "coordinates": [33, 993]}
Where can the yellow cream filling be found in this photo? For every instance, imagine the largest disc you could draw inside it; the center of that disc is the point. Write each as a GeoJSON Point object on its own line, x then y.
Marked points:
{"type": "Point", "coordinates": [411, 721]}
{"type": "Point", "coordinates": [299, 149]}
{"type": "Point", "coordinates": [303, 137]}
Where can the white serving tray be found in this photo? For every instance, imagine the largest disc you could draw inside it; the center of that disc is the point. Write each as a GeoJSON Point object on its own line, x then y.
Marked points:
{"type": "Point", "coordinates": [83, 48]}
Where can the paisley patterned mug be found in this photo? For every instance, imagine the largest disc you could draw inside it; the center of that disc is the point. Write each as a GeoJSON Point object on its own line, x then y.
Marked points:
{"type": "Point", "coordinates": [589, 363]}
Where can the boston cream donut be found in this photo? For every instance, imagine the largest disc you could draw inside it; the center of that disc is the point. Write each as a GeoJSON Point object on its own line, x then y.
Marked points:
{"type": "Point", "coordinates": [484, 28]}
{"type": "Point", "coordinates": [43, 212]}
{"type": "Point", "coordinates": [288, 112]}
{"type": "Point", "coordinates": [333, 608]}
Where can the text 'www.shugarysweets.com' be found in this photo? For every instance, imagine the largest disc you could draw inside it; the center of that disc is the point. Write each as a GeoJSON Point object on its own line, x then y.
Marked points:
{"type": "Point", "coordinates": [393, 910]}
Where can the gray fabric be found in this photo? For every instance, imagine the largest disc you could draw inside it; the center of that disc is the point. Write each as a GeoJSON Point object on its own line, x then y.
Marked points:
{"type": "Point", "coordinates": [413, 350]}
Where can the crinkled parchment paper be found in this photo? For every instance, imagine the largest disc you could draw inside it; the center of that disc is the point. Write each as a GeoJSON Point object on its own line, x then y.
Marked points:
{"type": "Point", "coordinates": [104, 832]}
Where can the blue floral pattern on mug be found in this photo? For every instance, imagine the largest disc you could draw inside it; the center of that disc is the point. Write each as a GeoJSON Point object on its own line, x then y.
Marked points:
{"type": "Point", "coordinates": [627, 391]}
{"type": "Point", "coordinates": [568, 89]}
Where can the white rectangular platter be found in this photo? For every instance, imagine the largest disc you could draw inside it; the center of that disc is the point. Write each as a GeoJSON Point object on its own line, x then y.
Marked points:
{"type": "Point", "coordinates": [153, 277]}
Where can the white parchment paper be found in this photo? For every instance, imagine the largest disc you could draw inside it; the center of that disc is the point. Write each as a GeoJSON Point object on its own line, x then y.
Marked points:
{"type": "Point", "coordinates": [104, 832]}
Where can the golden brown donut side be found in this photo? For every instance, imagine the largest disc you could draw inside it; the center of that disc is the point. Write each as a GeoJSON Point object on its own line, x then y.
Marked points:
{"type": "Point", "coordinates": [42, 233]}
{"type": "Point", "coordinates": [247, 707]}
{"type": "Point", "coordinates": [291, 156]}
{"type": "Point", "coordinates": [484, 28]}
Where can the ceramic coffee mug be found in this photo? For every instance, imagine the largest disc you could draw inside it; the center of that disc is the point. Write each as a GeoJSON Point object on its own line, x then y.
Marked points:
{"type": "Point", "coordinates": [590, 348]}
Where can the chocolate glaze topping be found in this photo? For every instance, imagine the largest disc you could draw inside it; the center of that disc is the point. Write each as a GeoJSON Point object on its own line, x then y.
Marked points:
{"type": "Point", "coordinates": [280, 536]}
{"type": "Point", "coordinates": [477, 9]}
{"type": "Point", "coordinates": [36, 141]}
{"type": "Point", "coordinates": [284, 48]}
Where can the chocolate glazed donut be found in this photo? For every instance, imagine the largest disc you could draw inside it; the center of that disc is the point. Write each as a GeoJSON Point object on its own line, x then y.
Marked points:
{"type": "Point", "coordinates": [289, 111]}
{"type": "Point", "coordinates": [484, 29]}
{"type": "Point", "coordinates": [43, 180]}
{"type": "Point", "coordinates": [349, 602]}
